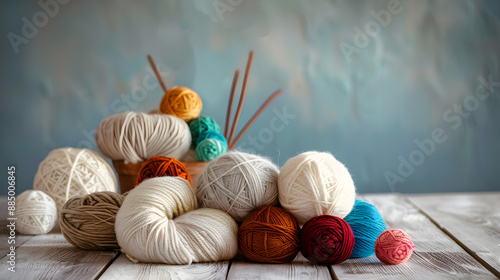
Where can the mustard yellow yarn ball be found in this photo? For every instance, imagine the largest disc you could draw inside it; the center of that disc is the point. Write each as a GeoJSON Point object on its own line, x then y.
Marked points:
{"type": "Point", "coordinates": [181, 102]}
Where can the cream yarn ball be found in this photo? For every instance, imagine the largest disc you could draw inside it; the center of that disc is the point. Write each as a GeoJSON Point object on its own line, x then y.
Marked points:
{"type": "Point", "coordinates": [135, 137]}
{"type": "Point", "coordinates": [69, 172]}
{"type": "Point", "coordinates": [36, 212]}
{"type": "Point", "coordinates": [313, 184]}
{"type": "Point", "coordinates": [238, 183]}
{"type": "Point", "coordinates": [158, 223]}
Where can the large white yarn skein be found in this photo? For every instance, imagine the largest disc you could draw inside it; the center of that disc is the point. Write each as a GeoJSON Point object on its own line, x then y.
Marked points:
{"type": "Point", "coordinates": [313, 184]}
{"type": "Point", "coordinates": [158, 223]}
{"type": "Point", "coordinates": [36, 212]}
{"type": "Point", "coordinates": [135, 137]}
{"type": "Point", "coordinates": [69, 172]}
{"type": "Point", "coordinates": [238, 183]}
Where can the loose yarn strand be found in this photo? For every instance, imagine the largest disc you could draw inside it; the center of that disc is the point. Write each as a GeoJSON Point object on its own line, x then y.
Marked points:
{"type": "Point", "coordinates": [71, 172]}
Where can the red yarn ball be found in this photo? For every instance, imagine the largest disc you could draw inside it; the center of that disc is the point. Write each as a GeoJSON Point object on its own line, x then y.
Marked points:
{"type": "Point", "coordinates": [393, 246]}
{"type": "Point", "coordinates": [326, 240]}
{"type": "Point", "coordinates": [159, 166]}
{"type": "Point", "coordinates": [269, 235]}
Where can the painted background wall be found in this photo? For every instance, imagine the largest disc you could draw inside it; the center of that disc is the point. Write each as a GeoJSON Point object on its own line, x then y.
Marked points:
{"type": "Point", "coordinates": [369, 81]}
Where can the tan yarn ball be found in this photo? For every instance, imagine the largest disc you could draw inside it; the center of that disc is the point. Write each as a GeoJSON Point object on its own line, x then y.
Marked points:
{"type": "Point", "coordinates": [36, 212]}
{"type": "Point", "coordinates": [70, 172]}
{"type": "Point", "coordinates": [88, 222]}
{"type": "Point", "coordinates": [182, 102]}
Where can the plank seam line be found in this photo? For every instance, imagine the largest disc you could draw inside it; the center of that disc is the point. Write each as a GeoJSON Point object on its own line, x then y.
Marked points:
{"type": "Point", "coordinates": [229, 264]}
{"type": "Point", "coordinates": [449, 234]}
{"type": "Point", "coordinates": [332, 273]}
{"type": "Point", "coordinates": [98, 276]}
{"type": "Point", "coordinates": [17, 246]}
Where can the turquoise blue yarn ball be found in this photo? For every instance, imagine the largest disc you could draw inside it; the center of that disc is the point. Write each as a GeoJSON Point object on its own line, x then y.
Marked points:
{"type": "Point", "coordinates": [211, 134]}
{"type": "Point", "coordinates": [367, 224]}
{"type": "Point", "coordinates": [210, 148]}
{"type": "Point", "coordinates": [202, 125]}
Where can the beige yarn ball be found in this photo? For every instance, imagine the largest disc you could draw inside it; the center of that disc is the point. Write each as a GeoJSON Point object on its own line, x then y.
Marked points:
{"type": "Point", "coordinates": [70, 172]}
{"type": "Point", "coordinates": [158, 223]}
{"type": "Point", "coordinates": [238, 183]}
{"type": "Point", "coordinates": [135, 137]}
{"type": "Point", "coordinates": [313, 184]}
{"type": "Point", "coordinates": [36, 212]}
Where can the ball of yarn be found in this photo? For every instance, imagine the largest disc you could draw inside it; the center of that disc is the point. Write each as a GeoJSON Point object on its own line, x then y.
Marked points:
{"type": "Point", "coordinates": [158, 223]}
{"type": "Point", "coordinates": [269, 235]}
{"type": "Point", "coordinates": [70, 172]}
{"type": "Point", "coordinates": [88, 222]}
{"type": "Point", "coordinates": [326, 240]}
{"type": "Point", "coordinates": [313, 184]}
{"type": "Point", "coordinates": [36, 212]}
{"type": "Point", "coordinates": [181, 102]}
{"type": "Point", "coordinates": [211, 135]}
{"type": "Point", "coordinates": [159, 166]}
{"type": "Point", "coordinates": [393, 246]}
{"type": "Point", "coordinates": [211, 146]}
{"type": "Point", "coordinates": [238, 183]}
{"type": "Point", "coordinates": [135, 137]}
{"type": "Point", "coordinates": [366, 224]}
{"type": "Point", "coordinates": [201, 125]}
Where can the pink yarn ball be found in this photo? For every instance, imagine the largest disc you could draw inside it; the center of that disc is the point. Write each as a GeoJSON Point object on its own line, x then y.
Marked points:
{"type": "Point", "coordinates": [393, 246]}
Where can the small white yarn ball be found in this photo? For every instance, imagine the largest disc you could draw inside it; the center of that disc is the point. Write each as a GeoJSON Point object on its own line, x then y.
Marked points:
{"type": "Point", "coordinates": [158, 223]}
{"type": "Point", "coordinates": [36, 212]}
{"type": "Point", "coordinates": [238, 183]}
{"type": "Point", "coordinates": [70, 172]}
{"type": "Point", "coordinates": [313, 184]}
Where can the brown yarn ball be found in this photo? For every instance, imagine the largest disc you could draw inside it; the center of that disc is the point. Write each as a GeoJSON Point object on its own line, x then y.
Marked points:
{"type": "Point", "coordinates": [181, 102]}
{"type": "Point", "coordinates": [269, 235]}
{"type": "Point", "coordinates": [159, 166]}
{"type": "Point", "coordinates": [88, 222]}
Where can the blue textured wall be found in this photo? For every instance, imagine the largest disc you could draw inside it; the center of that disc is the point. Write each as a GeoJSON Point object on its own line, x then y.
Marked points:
{"type": "Point", "coordinates": [366, 91]}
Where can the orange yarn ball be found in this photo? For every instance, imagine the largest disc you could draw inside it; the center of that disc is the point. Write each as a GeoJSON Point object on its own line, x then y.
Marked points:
{"type": "Point", "coordinates": [159, 166]}
{"type": "Point", "coordinates": [181, 102]}
{"type": "Point", "coordinates": [270, 235]}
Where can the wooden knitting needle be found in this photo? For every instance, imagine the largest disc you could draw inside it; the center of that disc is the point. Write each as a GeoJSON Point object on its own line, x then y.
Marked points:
{"type": "Point", "coordinates": [242, 97]}
{"type": "Point", "coordinates": [255, 117]}
{"type": "Point", "coordinates": [153, 65]}
{"type": "Point", "coordinates": [230, 103]}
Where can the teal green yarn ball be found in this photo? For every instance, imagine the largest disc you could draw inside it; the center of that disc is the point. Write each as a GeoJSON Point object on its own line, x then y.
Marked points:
{"type": "Point", "coordinates": [210, 134]}
{"type": "Point", "coordinates": [202, 125]}
{"type": "Point", "coordinates": [211, 146]}
{"type": "Point", "coordinates": [367, 224]}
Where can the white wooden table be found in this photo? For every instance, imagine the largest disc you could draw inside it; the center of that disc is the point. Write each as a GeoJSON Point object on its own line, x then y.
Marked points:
{"type": "Point", "coordinates": [456, 236]}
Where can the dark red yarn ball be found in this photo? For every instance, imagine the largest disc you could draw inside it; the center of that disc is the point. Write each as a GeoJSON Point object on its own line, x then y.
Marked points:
{"type": "Point", "coordinates": [326, 240]}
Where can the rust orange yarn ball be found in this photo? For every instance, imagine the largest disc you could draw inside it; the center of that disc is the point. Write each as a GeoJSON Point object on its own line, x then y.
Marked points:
{"type": "Point", "coordinates": [269, 235]}
{"type": "Point", "coordinates": [159, 166]}
{"type": "Point", "coordinates": [181, 102]}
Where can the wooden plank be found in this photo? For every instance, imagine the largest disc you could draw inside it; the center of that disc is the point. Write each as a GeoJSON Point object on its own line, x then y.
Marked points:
{"type": "Point", "coordinates": [436, 255]}
{"type": "Point", "coordinates": [50, 256]}
{"type": "Point", "coordinates": [300, 268]}
{"type": "Point", "coordinates": [4, 239]}
{"type": "Point", "coordinates": [124, 269]}
{"type": "Point", "coordinates": [5, 231]}
{"type": "Point", "coordinates": [472, 219]}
